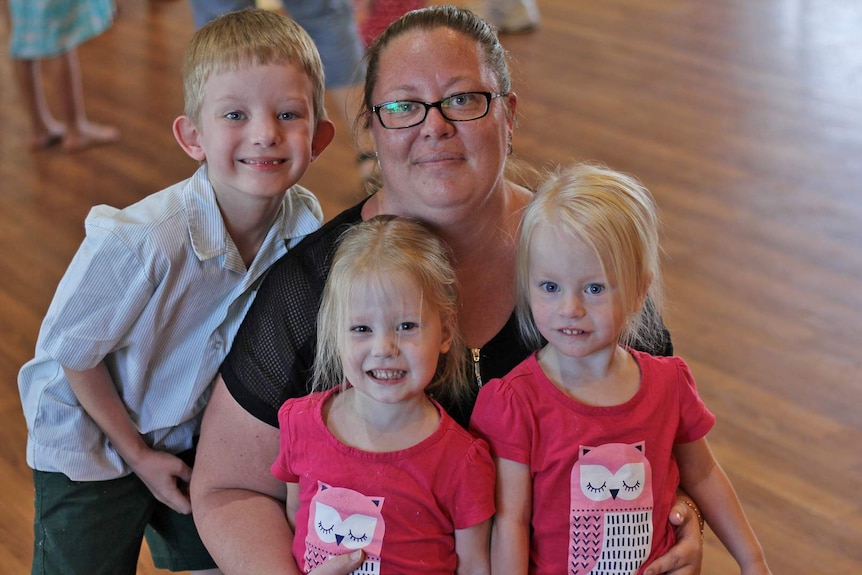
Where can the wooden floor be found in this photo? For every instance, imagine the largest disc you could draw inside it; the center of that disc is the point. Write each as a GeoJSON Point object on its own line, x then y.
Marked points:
{"type": "Point", "coordinates": [744, 117]}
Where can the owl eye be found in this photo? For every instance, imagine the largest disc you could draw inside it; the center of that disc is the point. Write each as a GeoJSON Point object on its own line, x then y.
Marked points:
{"type": "Point", "coordinates": [357, 539]}
{"type": "Point", "coordinates": [598, 489]}
{"type": "Point", "coordinates": [634, 487]}
{"type": "Point", "coordinates": [325, 530]}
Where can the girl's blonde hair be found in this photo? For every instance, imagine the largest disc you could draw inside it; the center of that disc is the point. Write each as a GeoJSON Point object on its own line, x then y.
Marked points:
{"type": "Point", "coordinates": [251, 37]}
{"type": "Point", "coordinates": [615, 215]}
{"type": "Point", "coordinates": [374, 249]}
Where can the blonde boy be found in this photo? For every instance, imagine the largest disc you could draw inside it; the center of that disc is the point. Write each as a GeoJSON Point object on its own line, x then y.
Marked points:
{"type": "Point", "coordinates": [150, 304]}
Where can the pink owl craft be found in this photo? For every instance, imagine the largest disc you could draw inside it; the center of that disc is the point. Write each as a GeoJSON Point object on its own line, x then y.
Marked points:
{"type": "Point", "coordinates": [340, 521]}
{"type": "Point", "coordinates": [612, 506]}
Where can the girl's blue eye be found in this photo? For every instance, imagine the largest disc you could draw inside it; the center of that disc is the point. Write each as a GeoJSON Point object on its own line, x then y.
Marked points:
{"type": "Point", "coordinates": [407, 325]}
{"type": "Point", "coordinates": [595, 289]}
{"type": "Point", "coordinates": [550, 287]}
{"type": "Point", "coordinates": [360, 328]}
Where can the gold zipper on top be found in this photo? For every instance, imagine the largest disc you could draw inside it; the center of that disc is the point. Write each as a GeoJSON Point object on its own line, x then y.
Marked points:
{"type": "Point", "coordinates": [477, 370]}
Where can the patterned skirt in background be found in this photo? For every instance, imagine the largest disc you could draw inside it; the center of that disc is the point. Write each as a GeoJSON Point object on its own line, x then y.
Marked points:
{"type": "Point", "coordinates": [46, 28]}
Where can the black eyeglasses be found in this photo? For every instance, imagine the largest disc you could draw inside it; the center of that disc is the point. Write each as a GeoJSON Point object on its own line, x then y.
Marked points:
{"type": "Point", "coordinates": [462, 107]}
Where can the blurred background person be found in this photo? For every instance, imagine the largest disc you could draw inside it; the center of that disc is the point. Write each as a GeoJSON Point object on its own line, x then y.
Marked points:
{"type": "Point", "coordinates": [49, 32]}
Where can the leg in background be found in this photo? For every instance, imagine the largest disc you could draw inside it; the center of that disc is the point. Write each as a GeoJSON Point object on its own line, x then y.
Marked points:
{"type": "Point", "coordinates": [80, 132]}
{"type": "Point", "coordinates": [45, 130]}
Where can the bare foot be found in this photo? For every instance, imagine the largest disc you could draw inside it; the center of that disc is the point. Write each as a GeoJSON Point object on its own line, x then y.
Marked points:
{"type": "Point", "coordinates": [45, 141]}
{"type": "Point", "coordinates": [89, 135]}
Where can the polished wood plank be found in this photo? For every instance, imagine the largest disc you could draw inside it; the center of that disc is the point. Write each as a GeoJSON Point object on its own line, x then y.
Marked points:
{"type": "Point", "coordinates": [743, 117]}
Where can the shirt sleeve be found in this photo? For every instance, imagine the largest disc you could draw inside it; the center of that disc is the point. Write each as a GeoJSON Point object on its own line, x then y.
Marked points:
{"type": "Point", "coordinates": [695, 419]}
{"type": "Point", "coordinates": [281, 468]}
{"type": "Point", "coordinates": [271, 357]}
{"type": "Point", "coordinates": [101, 296]}
{"type": "Point", "coordinates": [474, 497]}
{"type": "Point", "coordinates": [272, 353]}
{"type": "Point", "coordinates": [498, 411]}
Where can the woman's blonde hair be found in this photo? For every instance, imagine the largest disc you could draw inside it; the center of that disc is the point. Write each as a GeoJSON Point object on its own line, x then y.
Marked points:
{"type": "Point", "coordinates": [375, 249]}
{"type": "Point", "coordinates": [615, 215]}
{"type": "Point", "coordinates": [247, 38]}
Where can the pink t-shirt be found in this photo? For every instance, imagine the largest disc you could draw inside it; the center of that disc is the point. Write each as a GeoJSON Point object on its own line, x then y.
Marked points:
{"type": "Point", "coordinates": [402, 508]}
{"type": "Point", "coordinates": [604, 478]}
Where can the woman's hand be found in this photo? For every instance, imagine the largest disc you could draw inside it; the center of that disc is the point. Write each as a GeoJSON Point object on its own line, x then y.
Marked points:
{"type": "Point", "coordinates": [340, 564]}
{"type": "Point", "coordinates": [686, 556]}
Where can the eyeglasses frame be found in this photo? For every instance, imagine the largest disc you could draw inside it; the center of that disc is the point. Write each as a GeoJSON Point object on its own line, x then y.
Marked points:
{"type": "Point", "coordinates": [439, 105]}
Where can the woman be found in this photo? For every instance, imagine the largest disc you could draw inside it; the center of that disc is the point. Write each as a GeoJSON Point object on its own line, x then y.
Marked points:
{"type": "Point", "coordinates": [439, 106]}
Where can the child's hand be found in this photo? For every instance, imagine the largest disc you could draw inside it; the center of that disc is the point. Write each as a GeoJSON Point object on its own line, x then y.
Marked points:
{"type": "Point", "coordinates": [167, 477]}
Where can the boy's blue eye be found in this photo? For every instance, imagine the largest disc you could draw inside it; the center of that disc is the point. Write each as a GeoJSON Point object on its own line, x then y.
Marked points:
{"type": "Point", "coordinates": [287, 116]}
{"type": "Point", "coordinates": [234, 115]}
{"type": "Point", "coordinates": [407, 325]}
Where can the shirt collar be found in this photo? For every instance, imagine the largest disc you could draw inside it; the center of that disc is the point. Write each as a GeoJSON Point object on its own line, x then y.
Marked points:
{"type": "Point", "coordinates": [299, 215]}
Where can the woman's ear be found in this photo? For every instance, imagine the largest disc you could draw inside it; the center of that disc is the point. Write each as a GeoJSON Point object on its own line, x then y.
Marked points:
{"type": "Point", "coordinates": [643, 290]}
{"type": "Point", "coordinates": [511, 108]}
{"type": "Point", "coordinates": [448, 334]}
{"type": "Point", "coordinates": [189, 138]}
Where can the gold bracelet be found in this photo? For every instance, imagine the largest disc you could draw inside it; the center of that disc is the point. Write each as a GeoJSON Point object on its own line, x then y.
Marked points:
{"type": "Point", "coordinates": [696, 513]}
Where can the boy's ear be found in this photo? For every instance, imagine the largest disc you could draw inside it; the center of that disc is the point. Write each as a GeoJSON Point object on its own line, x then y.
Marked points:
{"type": "Point", "coordinates": [323, 135]}
{"type": "Point", "coordinates": [188, 137]}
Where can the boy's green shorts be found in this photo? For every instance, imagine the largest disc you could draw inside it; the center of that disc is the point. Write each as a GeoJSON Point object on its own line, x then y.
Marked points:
{"type": "Point", "coordinates": [96, 527]}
